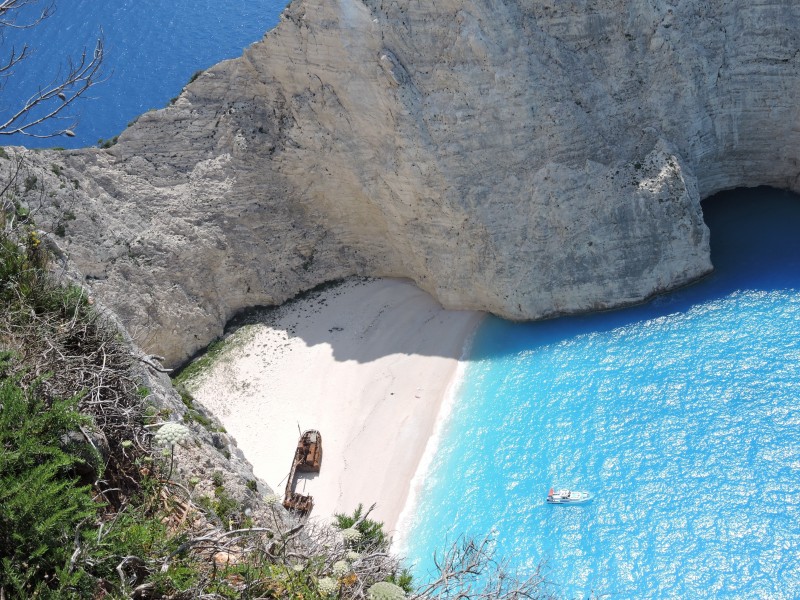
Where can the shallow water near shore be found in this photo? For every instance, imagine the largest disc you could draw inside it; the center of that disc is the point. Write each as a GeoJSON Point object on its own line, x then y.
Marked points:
{"type": "Point", "coordinates": [680, 415]}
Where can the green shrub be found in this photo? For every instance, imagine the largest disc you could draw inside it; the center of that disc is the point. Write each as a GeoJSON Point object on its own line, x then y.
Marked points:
{"type": "Point", "coordinates": [42, 505]}
{"type": "Point", "coordinates": [210, 355]}
{"type": "Point", "coordinates": [135, 531]}
{"type": "Point", "coordinates": [103, 143]}
{"type": "Point", "coordinates": [403, 579]}
{"type": "Point", "coordinates": [372, 533]}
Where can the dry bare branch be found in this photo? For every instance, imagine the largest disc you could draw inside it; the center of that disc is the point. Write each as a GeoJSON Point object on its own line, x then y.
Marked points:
{"type": "Point", "coordinates": [7, 8]}
{"type": "Point", "coordinates": [468, 569]}
{"type": "Point", "coordinates": [48, 104]}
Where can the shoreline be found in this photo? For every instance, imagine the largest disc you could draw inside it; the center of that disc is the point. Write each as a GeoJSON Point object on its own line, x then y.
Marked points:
{"type": "Point", "coordinates": [372, 364]}
{"type": "Point", "coordinates": [406, 517]}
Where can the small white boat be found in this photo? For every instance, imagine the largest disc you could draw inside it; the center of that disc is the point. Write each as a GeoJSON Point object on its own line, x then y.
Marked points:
{"type": "Point", "coordinates": [567, 497]}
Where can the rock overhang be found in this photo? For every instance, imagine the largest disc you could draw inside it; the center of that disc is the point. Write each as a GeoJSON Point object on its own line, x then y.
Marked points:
{"type": "Point", "coordinates": [525, 159]}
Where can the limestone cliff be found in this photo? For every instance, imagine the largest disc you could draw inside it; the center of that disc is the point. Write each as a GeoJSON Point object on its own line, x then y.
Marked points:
{"type": "Point", "coordinates": [526, 158]}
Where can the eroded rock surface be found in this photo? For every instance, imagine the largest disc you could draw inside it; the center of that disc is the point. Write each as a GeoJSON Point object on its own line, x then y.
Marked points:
{"type": "Point", "coordinates": [525, 158]}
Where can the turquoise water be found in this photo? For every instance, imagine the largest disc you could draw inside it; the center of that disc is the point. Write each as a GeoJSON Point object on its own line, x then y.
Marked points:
{"type": "Point", "coordinates": [152, 49]}
{"type": "Point", "coordinates": [680, 415]}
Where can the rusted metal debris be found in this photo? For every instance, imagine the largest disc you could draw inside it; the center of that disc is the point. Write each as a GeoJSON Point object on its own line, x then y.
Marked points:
{"type": "Point", "coordinates": [307, 459]}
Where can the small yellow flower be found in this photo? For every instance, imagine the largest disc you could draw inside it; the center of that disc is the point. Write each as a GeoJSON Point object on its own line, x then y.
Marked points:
{"type": "Point", "coordinates": [349, 580]}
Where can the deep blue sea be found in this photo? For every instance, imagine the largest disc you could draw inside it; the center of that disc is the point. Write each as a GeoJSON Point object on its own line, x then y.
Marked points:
{"type": "Point", "coordinates": [152, 49]}
{"type": "Point", "coordinates": [681, 416]}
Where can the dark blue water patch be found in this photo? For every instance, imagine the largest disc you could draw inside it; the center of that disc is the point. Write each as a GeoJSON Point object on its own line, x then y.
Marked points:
{"type": "Point", "coordinates": [681, 415]}
{"type": "Point", "coordinates": [754, 238]}
{"type": "Point", "coordinates": [152, 49]}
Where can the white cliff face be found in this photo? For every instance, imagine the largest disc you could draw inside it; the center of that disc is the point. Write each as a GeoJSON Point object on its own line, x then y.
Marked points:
{"type": "Point", "coordinates": [525, 158]}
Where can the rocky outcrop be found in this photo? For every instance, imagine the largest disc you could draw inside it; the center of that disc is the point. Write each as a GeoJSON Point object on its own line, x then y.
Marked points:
{"type": "Point", "coordinates": [525, 158]}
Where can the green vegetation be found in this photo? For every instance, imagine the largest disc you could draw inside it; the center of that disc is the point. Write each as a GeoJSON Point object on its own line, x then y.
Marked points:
{"type": "Point", "coordinates": [217, 479]}
{"type": "Point", "coordinates": [192, 413]}
{"type": "Point", "coordinates": [50, 467]}
{"type": "Point", "coordinates": [372, 533]}
{"type": "Point", "coordinates": [403, 579]}
{"type": "Point", "coordinates": [70, 516]}
{"type": "Point", "coordinates": [103, 143]}
{"type": "Point", "coordinates": [197, 366]}
{"type": "Point", "coordinates": [30, 183]}
{"type": "Point", "coordinates": [39, 492]}
{"type": "Point", "coordinates": [226, 508]}
{"type": "Point", "coordinates": [75, 524]}
{"type": "Point", "coordinates": [216, 351]}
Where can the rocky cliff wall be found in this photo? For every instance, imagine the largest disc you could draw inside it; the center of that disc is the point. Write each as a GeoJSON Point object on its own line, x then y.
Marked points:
{"type": "Point", "coordinates": [525, 158]}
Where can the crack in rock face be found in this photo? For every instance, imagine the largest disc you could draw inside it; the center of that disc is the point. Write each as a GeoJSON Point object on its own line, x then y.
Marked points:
{"type": "Point", "coordinates": [528, 159]}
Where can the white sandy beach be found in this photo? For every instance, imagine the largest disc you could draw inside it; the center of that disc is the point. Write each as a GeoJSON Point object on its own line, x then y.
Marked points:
{"type": "Point", "coordinates": [367, 363]}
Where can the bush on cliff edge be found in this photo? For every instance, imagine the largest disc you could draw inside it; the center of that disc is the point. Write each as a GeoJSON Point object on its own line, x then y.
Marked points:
{"type": "Point", "coordinates": [42, 505]}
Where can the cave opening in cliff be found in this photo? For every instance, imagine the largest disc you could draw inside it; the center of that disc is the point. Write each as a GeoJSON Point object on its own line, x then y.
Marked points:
{"type": "Point", "coordinates": [754, 236]}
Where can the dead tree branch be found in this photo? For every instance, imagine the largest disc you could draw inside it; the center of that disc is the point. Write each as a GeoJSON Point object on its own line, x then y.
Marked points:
{"type": "Point", "coordinates": [469, 570]}
{"type": "Point", "coordinates": [49, 102]}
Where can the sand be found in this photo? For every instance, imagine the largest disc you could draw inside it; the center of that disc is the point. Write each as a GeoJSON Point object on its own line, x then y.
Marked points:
{"type": "Point", "coordinates": [367, 363]}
